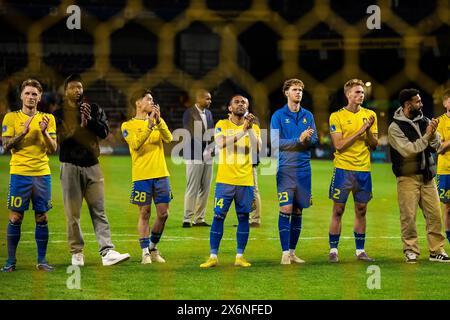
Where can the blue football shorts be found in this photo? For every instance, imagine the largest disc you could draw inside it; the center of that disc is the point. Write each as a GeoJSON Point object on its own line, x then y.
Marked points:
{"type": "Point", "coordinates": [144, 191]}
{"type": "Point", "coordinates": [226, 193]}
{"type": "Point", "coordinates": [345, 181]}
{"type": "Point", "coordinates": [22, 189]}
{"type": "Point", "coordinates": [294, 187]}
{"type": "Point", "coordinates": [443, 182]}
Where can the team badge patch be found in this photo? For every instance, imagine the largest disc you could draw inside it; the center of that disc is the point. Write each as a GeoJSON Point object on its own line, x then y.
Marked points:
{"type": "Point", "coordinates": [125, 133]}
{"type": "Point", "coordinates": [287, 121]}
{"type": "Point", "coordinates": [4, 128]}
{"type": "Point", "coordinates": [305, 121]}
{"type": "Point", "coordinates": [218, 130]}
{"type": "Point", "coordinates": [332, 128]}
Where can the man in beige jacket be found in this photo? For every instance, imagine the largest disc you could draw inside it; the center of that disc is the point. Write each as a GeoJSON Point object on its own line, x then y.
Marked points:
{"type": "Point", "coordinates": [413, 138]}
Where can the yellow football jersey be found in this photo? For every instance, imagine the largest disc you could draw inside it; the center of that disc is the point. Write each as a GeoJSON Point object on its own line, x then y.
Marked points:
{"type": "Point", "coordinates": [235, 163]}
{"type": "Point", "coordinates": [443, 164]}
{"type": "Point", "coordinates": [357, 156]}
{"type": "Point", "coordinates": [146, 148]}
{"type": "Point", "coordinates": [29, 158]}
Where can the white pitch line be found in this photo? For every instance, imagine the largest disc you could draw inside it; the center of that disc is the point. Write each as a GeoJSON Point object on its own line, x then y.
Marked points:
{"type": "Point", "coordinates": [196, 238]}
{"type": "Point", "coordinates": [177, 238]}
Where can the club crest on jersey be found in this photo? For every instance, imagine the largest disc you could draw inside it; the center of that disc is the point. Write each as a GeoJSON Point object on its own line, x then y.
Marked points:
{"type": "Point", "coordinates": [332, 128]}
{"type": "Point", "coordinates": [125, 133]}
{"type": "Point", "coordinates": [305, 121]}
{"type": "Point", "coordinates": [349, 121]}
{"type": "Point", "coordinates": [287, 120]}
{"type": "Point", "coordinates": [218, 130]}
{"type": "Point", "coordinates": [4, 128]}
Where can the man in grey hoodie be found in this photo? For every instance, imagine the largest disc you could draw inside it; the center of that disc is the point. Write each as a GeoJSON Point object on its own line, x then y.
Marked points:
{"type": "Point", "coordinates": [413, 139]}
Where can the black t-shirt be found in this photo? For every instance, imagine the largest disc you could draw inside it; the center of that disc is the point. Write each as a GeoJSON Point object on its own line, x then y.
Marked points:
{"type": "Point", "coordinates": [80, 146]}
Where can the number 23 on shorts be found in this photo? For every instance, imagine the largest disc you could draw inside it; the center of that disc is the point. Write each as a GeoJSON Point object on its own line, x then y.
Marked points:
{"type": "Point", "coordinates": [283, 197]}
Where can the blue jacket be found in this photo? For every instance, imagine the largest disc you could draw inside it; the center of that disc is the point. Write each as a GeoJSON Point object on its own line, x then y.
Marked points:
{"type": "Point", "coordinates": [290, 125]}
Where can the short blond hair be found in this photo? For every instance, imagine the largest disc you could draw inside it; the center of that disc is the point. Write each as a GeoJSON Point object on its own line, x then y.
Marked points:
{"type": "Point", "coordinates": [292, 82]}
{"type": "Point", "coordinates": [352, 83]}
{"type": "Point", "coordinates": [446, 95]}
{"type": "Point", "coordinates": [31, 83]}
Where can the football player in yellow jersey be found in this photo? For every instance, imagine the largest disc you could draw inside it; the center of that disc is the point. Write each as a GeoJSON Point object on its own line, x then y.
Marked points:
{"type": "Point", "coordinates": [145, 134]}
{"type": "Point", "coordinates": [29, 135]}
{"type": "Point", "coordinates": [354, 133]}
{"type": "Point", "coordinates": [443, 169]}
{"type": "Point", "coordinates": [238, 140]}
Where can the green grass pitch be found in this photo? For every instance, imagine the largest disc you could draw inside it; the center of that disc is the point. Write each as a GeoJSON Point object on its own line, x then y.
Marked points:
{"type": "Point", "coordinates": [184, 249]}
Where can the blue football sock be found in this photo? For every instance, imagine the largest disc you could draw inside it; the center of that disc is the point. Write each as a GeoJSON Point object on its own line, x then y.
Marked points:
{"type": "Point", "coordinates": [334, 240]}
{"type": "Point", "coordinates": [296, 228]}
{"type": "Point", "coordinates": [41, 236]}
{"type": "Point", "coordinates": [242, 232]}
{"type": "Point", "coordinates": [154, 238]}
{"type": "Point", "coordinates": [284, 229]}
{"type": "Point", "coordinates": [360, 239]}
{"type": "Point", "coordinates": [13, 237]}
{"type": "Point", "coordinates": [144, 242]}
{"type": "Point", "coordinates": [215, 234]}
{"type": "Point", "coordinates": [448, 235]}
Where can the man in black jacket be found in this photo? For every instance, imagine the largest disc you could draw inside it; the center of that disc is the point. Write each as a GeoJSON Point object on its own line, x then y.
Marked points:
{"type": "Point", "coordinates": [79, 127]}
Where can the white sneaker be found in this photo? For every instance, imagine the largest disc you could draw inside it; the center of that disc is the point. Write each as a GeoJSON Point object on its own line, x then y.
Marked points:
{"type": "Point", "coordinates": [146, 258]}
{"type": "Point", "coordinates": [78, 259]}
{"type": "Point", "coordinates": [285, 258]}
{"type": "Point", "coordinates": [410, 257]}
{"type": "Point", "coordinates": [156, 257]}
{"type": "Point", "coordinates": [113, 257]}
{"type": "Point", "coordinates": [296, 259]}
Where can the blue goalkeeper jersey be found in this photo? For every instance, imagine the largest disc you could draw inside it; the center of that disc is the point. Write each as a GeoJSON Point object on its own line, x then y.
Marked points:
{"type": "Point", "coordinates": [290, 125]}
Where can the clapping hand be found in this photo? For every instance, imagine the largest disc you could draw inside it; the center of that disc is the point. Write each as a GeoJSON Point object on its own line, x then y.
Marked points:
{"type": "Point", "coordinates": [306, 135]}
{"type": "Point", "coordinates": [26, 125]}
{"type": "Point", "coordinates": [157, 113]}
{"type": "Point", "coordinates": [44, 123]}
{"type": "Point", "coordinates": [154, 117]}
{"type": "Point", "coordinates": [249, 120]}
{"type": "Point", "coordinates": [432, 126]}
{"type": "Point", "coordinates": [370, 122]}
{"type": "Point", "coordinates": [85, 110]}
